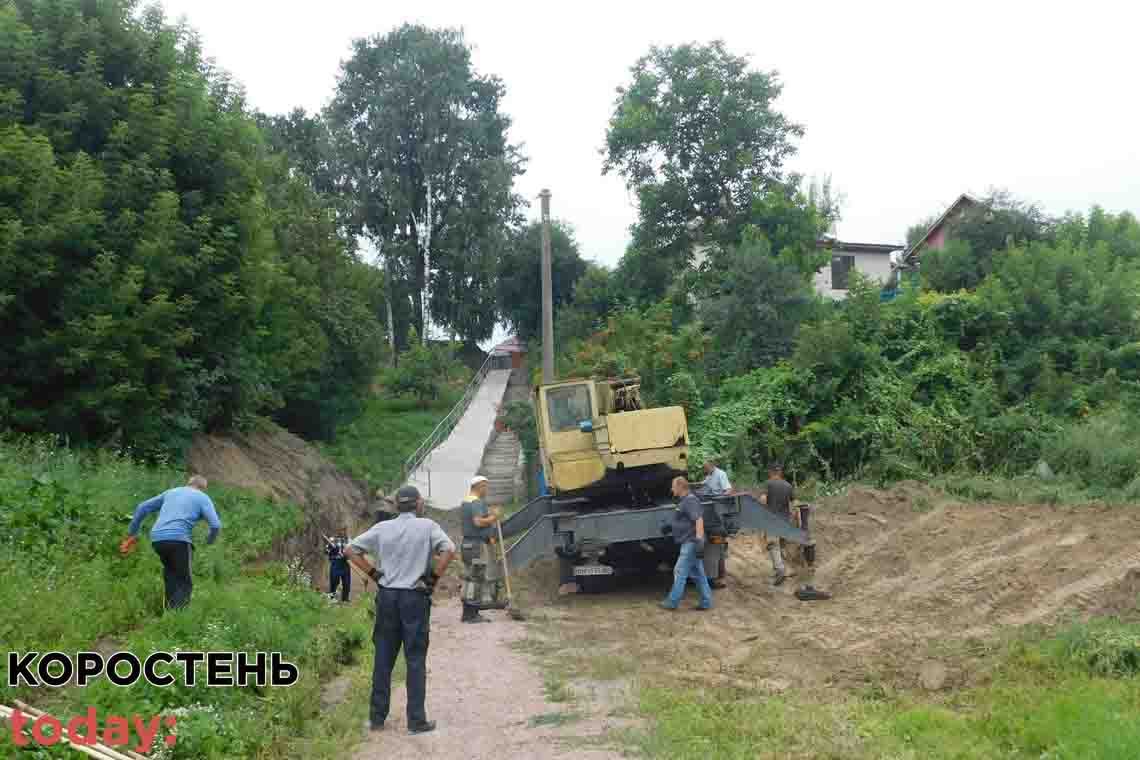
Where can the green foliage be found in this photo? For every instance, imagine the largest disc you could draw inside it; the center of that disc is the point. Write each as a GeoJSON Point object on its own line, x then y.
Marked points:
{"type": "Point", "coordinates": [1064, 697]}
{"type": "Point", "coordinates": [424, 370]}
{"type": "Point", "coordinates": [520, 276]}
{"type": "Point", "coordinates": [171, 274]}
{"type": "Point", "coordinates": [752, 305]}
{"type": "Point", "coordinates": [646, 342]}
{"type": "Point", "coordinates": [518, 416]}
{"type": "Point", "coordinates": [374, 445]}
{"type": "Point", "coordinates": [695, 134]}
{"type": "Point", "coordinates": [1106, 648]}
{"type": "Point", "coordinates": [682, 390]}
{"type": "Point", "coordinates": [429, 176]}
{"type": "Point", "coordinates": [62, 514]}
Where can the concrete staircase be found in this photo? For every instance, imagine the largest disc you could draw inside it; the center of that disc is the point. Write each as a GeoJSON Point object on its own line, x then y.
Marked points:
{"type": "Point", "coordinates": [501, 468]}
{"type": "Point", "coordinates": [503, 460]}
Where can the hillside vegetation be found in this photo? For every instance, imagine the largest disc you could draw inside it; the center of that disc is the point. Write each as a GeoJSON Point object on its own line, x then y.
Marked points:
{"type": "Point", "coordinates": [61, 517]}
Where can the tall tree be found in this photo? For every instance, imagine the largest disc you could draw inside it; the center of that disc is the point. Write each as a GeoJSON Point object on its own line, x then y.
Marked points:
{"type": "Point", "coordinates": [161, 270]}
{"type": "Point", "coordinates": [520, 275]}
{"type": "Point", "coordinates": [426, 155]}
{"type": "Point", "coordinates": [697, 137]}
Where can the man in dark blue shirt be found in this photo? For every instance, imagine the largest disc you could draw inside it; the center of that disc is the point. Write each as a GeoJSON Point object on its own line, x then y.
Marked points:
{"type": "Point", "coordinates": [689, 533]}
{"type": "Point", "coordinates": [339, 574]}
{"type": "Point", "coordinates": [178, 509]}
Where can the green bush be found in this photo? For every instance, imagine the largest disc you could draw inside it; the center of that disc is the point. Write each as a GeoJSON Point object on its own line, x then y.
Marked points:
{"type": "Point", "coordinates": [681, 390]}
{"type": "Point", "coordinates": [423, 371]}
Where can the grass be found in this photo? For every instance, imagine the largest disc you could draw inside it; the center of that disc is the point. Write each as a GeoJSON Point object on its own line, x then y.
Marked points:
{"type": "Point", "coordinates": [1072, 695]}
{"type": "Point", "coordinates": [65, 587]}
{"type": "Point", "coordinates": [557, 689]}
{"type": "Point", "coordinates": [553, 719]}
{"type": "Point", "coordinates": [374, 446]}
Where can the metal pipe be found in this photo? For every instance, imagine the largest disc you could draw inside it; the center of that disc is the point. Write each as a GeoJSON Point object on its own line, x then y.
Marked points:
{"type": "Point", "coordinates": [547, 294]}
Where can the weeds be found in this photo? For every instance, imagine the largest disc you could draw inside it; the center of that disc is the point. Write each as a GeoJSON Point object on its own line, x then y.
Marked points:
{"type": "Point", "coordinates": [65, 587]}
{"type": "Point", "coordinates": [1070, 696]}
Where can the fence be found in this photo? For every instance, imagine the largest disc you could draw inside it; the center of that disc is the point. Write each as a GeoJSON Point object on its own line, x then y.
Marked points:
{"type": "Point", "coordinates": [447, 424]}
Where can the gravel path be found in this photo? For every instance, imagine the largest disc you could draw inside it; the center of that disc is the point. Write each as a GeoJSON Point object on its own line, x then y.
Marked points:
{"type": "Point", "coordinates": [486, 697]}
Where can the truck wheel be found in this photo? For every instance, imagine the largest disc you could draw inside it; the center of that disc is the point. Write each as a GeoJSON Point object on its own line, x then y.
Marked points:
{"type": "Point", "coordinates": [565, 570]}
{"type": "Point", "coordinates": [592, 584]}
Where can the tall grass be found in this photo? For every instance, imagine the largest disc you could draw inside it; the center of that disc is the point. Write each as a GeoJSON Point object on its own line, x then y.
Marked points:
{"type": "Point", "coordinates": [62, 514]}
{"type": "Point", "coordinates": [1072, 696]}
{"type": "Point", "coordinates": [373, 447]}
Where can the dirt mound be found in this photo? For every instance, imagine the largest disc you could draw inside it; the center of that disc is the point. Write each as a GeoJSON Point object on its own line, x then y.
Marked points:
{"type": "Point", "coordinates": [1123, 599]}
{"type": "Point", "coordinates": [277, 464]}
{"type": "Point", "coordinates": [916, 576]}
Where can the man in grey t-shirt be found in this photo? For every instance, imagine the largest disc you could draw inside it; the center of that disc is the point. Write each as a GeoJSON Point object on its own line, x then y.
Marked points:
{"type": "Point", "coordinates": [689, 534]}
{"type": "Point", "coordinates": [482, 579]}
{"type": "Point", "coordinates": [404, 547]}
{"type": "Point", "coordinates": [778, 497]}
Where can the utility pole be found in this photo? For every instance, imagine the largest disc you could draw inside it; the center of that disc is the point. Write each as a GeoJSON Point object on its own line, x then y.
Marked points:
{"type": "Point", "coordinates": [547, 294]}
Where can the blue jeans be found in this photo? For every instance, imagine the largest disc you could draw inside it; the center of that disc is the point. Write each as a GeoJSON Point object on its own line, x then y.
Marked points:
{"type": "Point", "coordinates": [689, 566]}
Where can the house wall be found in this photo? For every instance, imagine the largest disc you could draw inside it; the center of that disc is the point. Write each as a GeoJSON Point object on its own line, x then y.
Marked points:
{"type": "Point", "coordinates": [937, 239]}
{"type": "Point", "coordinates": [877, 266]}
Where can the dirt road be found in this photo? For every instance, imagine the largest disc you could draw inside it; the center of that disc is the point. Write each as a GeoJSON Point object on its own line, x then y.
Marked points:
{"type": "Point", "coordinates": [924, 578]}
{"type": "Point", "coordinates": [488, 700]}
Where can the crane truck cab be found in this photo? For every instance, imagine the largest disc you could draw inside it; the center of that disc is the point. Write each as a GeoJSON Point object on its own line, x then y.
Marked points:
{"type": "Point", "coordinates": [600, 447]}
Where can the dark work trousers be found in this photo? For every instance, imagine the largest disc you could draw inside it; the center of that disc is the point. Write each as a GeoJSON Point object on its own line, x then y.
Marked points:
{"type": "Point", "coordinates": [403, 617]}
{"type": "Point", "coordinates": [339, 574]}
{"type": "Point", "coordinates": [176, 560]}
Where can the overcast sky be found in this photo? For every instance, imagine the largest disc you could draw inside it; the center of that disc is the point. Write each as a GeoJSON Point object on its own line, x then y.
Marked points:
{"type": "Point", "coordinates": [906, 104]}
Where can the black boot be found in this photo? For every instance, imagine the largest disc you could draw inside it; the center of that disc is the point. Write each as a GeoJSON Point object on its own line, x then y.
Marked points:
{"type": "Point", "coordinates": [811, 594]}
{"type": "Point", "coordinates": [471, 615]}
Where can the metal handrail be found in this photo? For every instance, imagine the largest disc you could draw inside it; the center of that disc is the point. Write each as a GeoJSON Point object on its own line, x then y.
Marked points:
{"type": "Point", "coordinates": [448, 423]}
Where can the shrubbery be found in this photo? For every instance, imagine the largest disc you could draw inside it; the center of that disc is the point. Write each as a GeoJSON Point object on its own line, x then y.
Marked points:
{"type": "Point", "coordinates": [1038, 362]}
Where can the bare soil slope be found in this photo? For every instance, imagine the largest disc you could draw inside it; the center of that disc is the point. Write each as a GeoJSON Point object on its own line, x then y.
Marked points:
{"type": "Point", "coordinates": [277, 464]}
{"type": "Point", "coordinates": [914, 577]}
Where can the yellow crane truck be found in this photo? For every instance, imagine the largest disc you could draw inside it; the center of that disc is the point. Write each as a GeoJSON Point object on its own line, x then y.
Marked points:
{"type": "Point", "coordinates": [608, 463]}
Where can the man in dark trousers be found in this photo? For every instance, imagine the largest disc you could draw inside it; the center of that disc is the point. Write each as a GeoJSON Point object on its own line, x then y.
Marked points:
{"type": "Point", "coordinates": [405, 548]}
{"type": "Point", "coordinates": [689, 533]}
{"type": "Point", "coordinates": [715, 485]}
{"type": "Point", "coordinates": [339, 573]}
{"type": "Point", "coordinates": [172, 535]}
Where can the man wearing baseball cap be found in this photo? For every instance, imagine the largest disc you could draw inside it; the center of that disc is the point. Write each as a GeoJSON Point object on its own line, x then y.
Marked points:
{"type": "Point", "coordinates": [406, 578]}
{"type": "Point", "coordinates": [482, 579]}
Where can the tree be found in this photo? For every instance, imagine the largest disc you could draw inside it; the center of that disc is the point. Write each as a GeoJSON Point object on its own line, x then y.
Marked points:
{"type": "Point", "coordinates": [162, 270]}
{"type": "Point", "coordinates": [520, 275]}
{"type": "Point", "coordinates": [425, 154]}
{"type": "Point", "coordinates": [996, 224]}
{"type": "Point", "coordinates": [826, 199]}
{"type": "Point", "coordinates": [696, 136]}
{"type": "Point", "coordinates": [752, 304]}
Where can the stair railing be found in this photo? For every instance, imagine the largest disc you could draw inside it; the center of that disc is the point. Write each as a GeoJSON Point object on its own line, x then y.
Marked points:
{"type": "Point", "coordinates": [445, 426]}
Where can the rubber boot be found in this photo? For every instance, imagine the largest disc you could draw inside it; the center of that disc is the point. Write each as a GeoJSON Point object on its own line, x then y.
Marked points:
{"type": "Point", "coordinates": [777, 564]}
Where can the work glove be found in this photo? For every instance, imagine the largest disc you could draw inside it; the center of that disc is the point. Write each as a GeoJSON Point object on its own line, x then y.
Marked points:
{"type": "Point", "coordinates": [700, 542]}
{"type": "Point", "coordinates": [128, 544]}
{"type": "Point", "coordinates": [429, 583]}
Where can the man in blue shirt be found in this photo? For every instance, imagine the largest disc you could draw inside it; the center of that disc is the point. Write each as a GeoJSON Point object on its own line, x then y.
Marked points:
{"type": "Point", "coordinates": [172, 535]}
